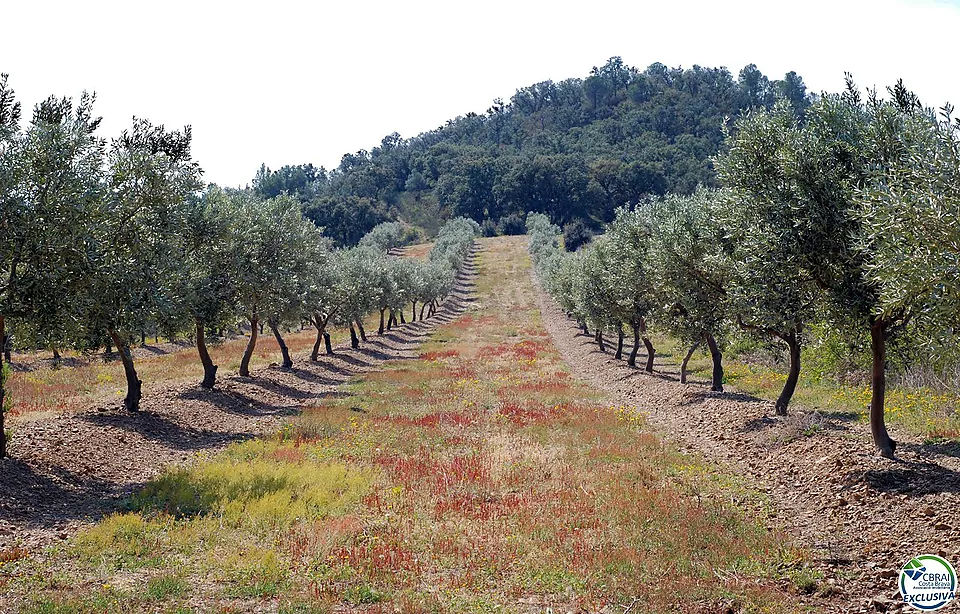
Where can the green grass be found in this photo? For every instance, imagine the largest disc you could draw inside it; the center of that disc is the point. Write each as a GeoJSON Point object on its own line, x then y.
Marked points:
{"type": "Point", "coordinates": [929, 414]}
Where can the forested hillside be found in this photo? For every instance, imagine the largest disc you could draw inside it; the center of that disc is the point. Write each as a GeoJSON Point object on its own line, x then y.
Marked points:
{"type": "Point", "coordinates": [576, 149]}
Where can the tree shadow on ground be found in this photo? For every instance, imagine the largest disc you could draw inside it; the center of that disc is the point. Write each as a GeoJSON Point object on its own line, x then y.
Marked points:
{"type": "Point", "coordinates": [913, 479]}
{"type": "Point", "coordinates": [315, 378]}
{"type": "Point", "coordinates": [158, 428]}
{"type": "Point", "coordinates": [232, 401]}
{"type": "Point", "coordinates": [48, 499]}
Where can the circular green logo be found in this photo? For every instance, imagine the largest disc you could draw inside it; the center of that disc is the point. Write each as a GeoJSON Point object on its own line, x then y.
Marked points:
{"type": "Point", "coordinates": [928, 582]}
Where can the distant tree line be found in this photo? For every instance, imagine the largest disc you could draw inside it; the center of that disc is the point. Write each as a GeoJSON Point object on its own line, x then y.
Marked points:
{"type": "Point", "coordinates": [101, 241]}
{"type": "Point", "coordinates": [574, 150]}
{"type": "Point", "coordinates": [843, 220]}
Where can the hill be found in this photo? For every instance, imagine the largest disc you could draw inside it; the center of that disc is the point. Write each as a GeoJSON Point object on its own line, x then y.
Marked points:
{"type": "Point", "coordinates": [575, 150]}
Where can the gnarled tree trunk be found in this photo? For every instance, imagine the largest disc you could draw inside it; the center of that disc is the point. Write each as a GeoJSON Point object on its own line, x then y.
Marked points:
{"type": "Point", "coordinates": [327, 346]}
{"type": "Point", "coordinates": [132, 401]}
{"type": "Point", "coordinates": [717, 384]}
{"type": "Point", "coordinates": [363, 333]}
{"type": "Point", "coordinates": [382, 323]}
{"type": "Point", "coordinates": [793, 376]}
{"type": "Point", "coordinates": [209, 369]}
{"type": "Point", "coordinates": [321, 324]}
{"type": "Point", "coordinates": [251, 345]}
{"type": "Point", "coordinates": [651, 352]}
{"type": "Point", "coordinates": [632, 359]}
{"type": "Point", "coordinates": [284, 351]}
{"type": "Point", "coordinates": [354, 341]}
{"type": "Point", "coordinates": [878, 379]}
{"type": "Point", "coordinates": [422, 307]}
{"type": "Point", "coordinates": [686, 361]}
{"type": "Point", "coordinates": [619, 354]}
{"type": "Point", "coordinates": [402, 319]}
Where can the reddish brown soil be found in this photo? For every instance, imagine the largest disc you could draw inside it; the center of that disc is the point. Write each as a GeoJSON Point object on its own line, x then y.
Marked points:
{"type": "Point", "coordinates": [860, 517]}
{"type": "Point", "coordinates": [66, 470]}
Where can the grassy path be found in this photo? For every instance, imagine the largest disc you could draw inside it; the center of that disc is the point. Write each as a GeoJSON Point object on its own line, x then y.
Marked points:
{"type": "Point", "coordinates": [479, 477]}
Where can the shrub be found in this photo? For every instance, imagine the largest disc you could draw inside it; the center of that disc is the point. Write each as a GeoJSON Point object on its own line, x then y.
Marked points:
{"type": "Point", "coordinates": [512, 224]}
{"type": "Point", "coordinates": [488, 228]}
{"type": "Point", "coordinates": [575, 235]}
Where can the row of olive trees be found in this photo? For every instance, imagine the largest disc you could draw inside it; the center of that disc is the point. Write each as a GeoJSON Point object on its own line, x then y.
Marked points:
{"type": "Point", "coordinates": [101, 241]}
{"type": "Point", "coordinates": [847, 217]}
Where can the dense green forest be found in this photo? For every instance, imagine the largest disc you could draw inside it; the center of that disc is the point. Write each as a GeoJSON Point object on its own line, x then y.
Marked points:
{"type": "Point", "coordinates": [574, 150]}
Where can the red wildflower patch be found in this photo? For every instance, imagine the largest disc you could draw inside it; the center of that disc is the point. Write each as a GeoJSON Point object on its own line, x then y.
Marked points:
{"type": "Point", "coordinates": [529, 413]}
{"type": "Point", "coordinates": [434, 420]}
{"type": "Point", "coordinates": [438, 355]}
{"type": "Point", "coordinates": [379, 558]}
{"type": "Point", "coordinates": [487, 506]}
{"type": "Point", "coordinates": [526, 349]}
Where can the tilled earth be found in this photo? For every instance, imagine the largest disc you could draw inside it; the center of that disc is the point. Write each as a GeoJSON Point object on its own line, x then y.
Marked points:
{"type": "Point", "coordinates": [66, 470]}
{"type": "Point", "coordinates": [861, 517]}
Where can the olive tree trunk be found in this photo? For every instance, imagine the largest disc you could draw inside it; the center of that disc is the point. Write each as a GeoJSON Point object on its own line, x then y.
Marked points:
{"type": "Point", "coordinates": [878, 379]}
{"type": "Point", "coordinates": [209, 369]}
{"type": "Point", "coordinates": [686, 361]}
{"type": "Point", "coordinates": [793, 376]}
{"type": "Point", "coordinates": [413, 312]}
{"type": "Point", "coordinates": [284, 351]}
{"type": "Point", "coordinates": [354, 341]}
{"type": "Point", "coordinates": [363, 333]}
{"type": "Point", "coordinates": [132, 401]}
{"type": "Point", "coordinates": [320, 322]}
{"type": "Point", "coordinates": [651, 352]}
{"type": "Point", "coordinates": [251, 346]}
{"type": "Point", "coordinates": [632, 359]}
{"type": "Point", "coordinates": [382, 323]}
{"type": "Point", "coordinates": [327, 346]}
{"type": "Point", "coordinates": [599, 339]}
{"type": "Point", "coordinates": [619, 354]}
{"type": "Point", "coordinates": [717, 384]}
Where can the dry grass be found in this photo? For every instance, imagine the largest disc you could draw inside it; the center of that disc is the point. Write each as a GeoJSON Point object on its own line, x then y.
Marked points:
{"type": "Point", "coordinates": [93, 381]}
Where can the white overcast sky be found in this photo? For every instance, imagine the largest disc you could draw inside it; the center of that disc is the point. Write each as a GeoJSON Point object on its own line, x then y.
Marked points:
{"type": "Point", "coordinates": [287, 82]}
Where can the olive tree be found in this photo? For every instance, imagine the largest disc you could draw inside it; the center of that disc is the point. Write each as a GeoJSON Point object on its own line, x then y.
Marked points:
{"type": "Point", "coordinates": [212, 260]}
{"type": "Point", "coordinates": [50, 182]}
{"type": "Point", "coordinates": [358, 291]}
{"type": "Point", "coordinates": [386, 237]}
{"type": "Point", "coordinates": [323, 297]}
{"type": "Point", "coordinates": [271, 264]}
{"type": "Point", "coordinates": [593, 292]}
{"type": "Point", "coordinates": [690, 265]}
{"type": "Point", "coordinates": [631, 282]}
{"type": "Point", "coordinates": [138, 232]}
{"type": "Point", "coordinates": [772, 225]}
{"type": "Point", "coordinates": [908, 211]}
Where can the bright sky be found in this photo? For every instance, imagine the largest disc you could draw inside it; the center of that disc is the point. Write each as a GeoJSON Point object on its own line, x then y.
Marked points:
{"type": "Point", "coordinates": [287, 82]}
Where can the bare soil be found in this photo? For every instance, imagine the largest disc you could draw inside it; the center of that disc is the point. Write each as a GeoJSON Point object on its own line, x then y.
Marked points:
{"type": "Point", "coordinates": [860, 517]}
{"type": "Point", "coordinates": [64, 471]}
